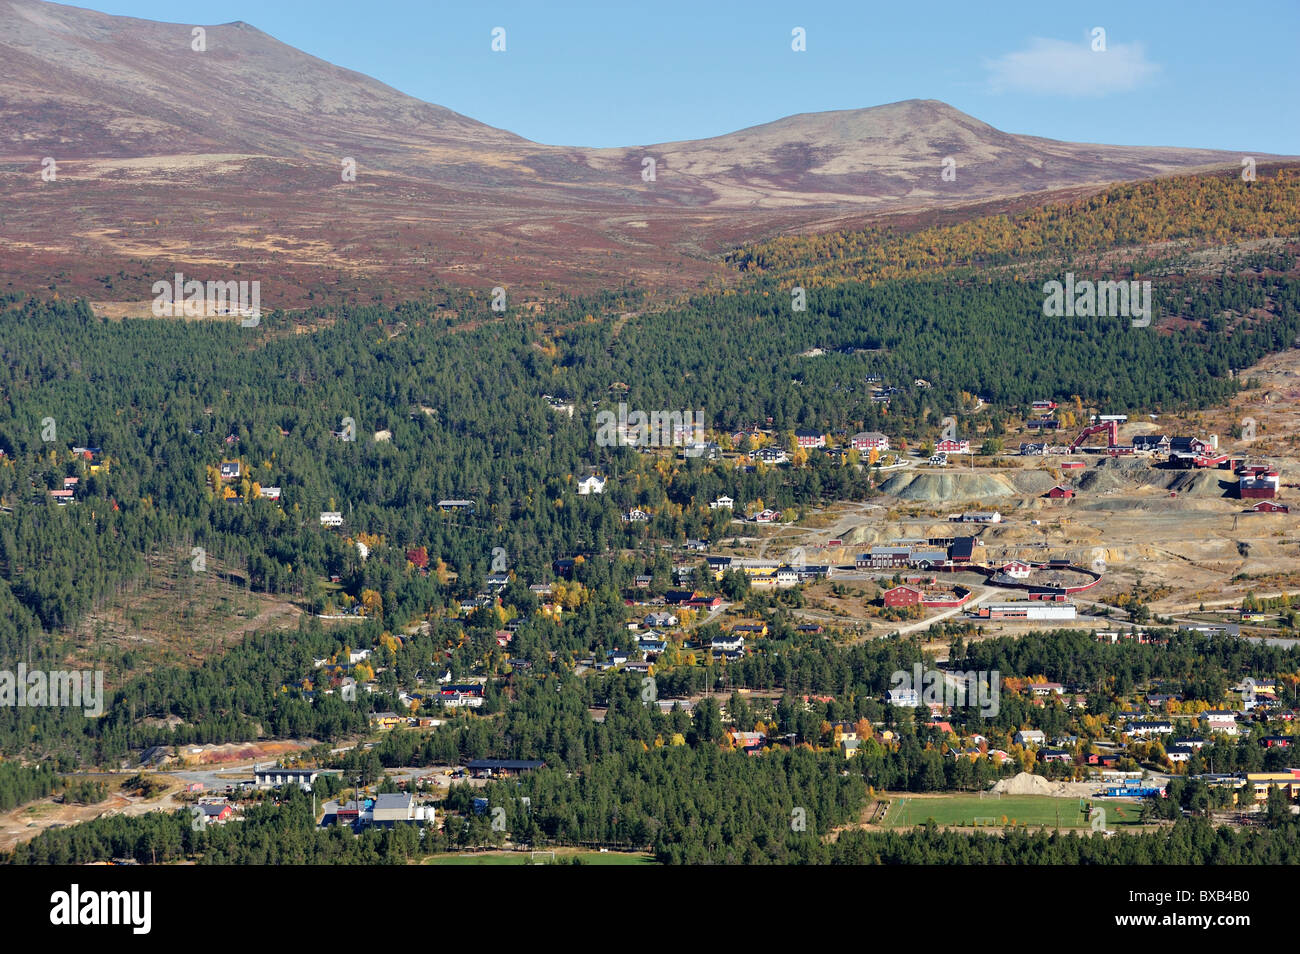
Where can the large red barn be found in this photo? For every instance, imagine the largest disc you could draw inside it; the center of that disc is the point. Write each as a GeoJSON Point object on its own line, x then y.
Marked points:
{"type": "Point", "coordinates": [903, 596]}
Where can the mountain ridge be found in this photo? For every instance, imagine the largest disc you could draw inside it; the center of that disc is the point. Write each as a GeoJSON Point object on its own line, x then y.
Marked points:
{"type": "Point", "coordinates": [139, 123]}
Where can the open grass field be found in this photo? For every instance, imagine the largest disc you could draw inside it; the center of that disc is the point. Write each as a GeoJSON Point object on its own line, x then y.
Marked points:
{"type": "Point", "coordinates": [963, 810]}
{"type": "Point", "coordinates": [522, 858]}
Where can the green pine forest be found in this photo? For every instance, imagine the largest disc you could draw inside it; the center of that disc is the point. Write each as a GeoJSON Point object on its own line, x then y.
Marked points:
{"type": "Point", "coordinates": [463, 397]}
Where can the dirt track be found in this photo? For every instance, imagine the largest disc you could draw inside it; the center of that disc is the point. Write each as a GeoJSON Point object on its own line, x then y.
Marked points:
{"type": "Point", "coordinates": [1179, 538]}
{"type": "Point", "coordinates": [27, 821]}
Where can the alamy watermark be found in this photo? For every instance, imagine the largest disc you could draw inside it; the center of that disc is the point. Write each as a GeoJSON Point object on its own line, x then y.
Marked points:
{"type": "Point", "coordinates": [195, 299]}
{"type": "Point", "coordinates": [76, 907]}
{"type": "Point", "coordinates": [977, 688]}
{"type": "Point", "coordinates": [656, 429]}
{"type": "Point", "coordinates": [58, 688]}
{"type": "Point", "coordinates": [1107, 299]}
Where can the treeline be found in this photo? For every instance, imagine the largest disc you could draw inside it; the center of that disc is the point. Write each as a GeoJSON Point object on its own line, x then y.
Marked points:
{"type": "Point", "coordinates": [87, 791]}
{"type": "Point", "coordinates": [239, 696]}
{"type": "Point", "coordinates": [551, 720]}
{"type": "Point", "coordinates": [266, 835]}
{"type": "Point", "coordinates": [693, 804]}
{"type": "Point", "coordinates": [1188, 842]}
{"type": "Point", "coordinates": [1198, 665]}
{"type": "Point", "coordinates": [24, 783]}
{"type": "Point", "coordinates": [168, 402]}
{"type": "Point", "coordinates": [964, 337]}
{"type": "Point", "coordinates": [725, 828]}
{"type": "Point", "coordinates": [1209, 208]}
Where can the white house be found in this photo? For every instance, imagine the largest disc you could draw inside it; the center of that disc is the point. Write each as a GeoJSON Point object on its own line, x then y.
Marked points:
{"type": "Point", "coordinates": [1017, 570]}
{"type": "Point", "coordinates": [709, 450]}
{"type": "Point", "coordinates": [1219, 720]}
{"type": "Point", "coordinates": [1145, 729]}
{"type": "Point", "coordinates": [770, 455]}
{"type": "Point", "coordinates": [729, 642]}
{"type": "Point", "coordinates": [904, 698]}
{"type": "Point", "coordinates": [462, 700]}
{"type": "Point", "coordinates": [593, 484]}
{"type": "Point", "coordinates": [1029, 737]}
{"type": "Point", "coordinates": [723, 503]}
{"type": "Point", "coordinates": [331, 518]}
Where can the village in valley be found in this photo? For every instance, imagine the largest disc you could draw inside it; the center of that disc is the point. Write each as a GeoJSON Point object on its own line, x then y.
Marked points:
{"type": "Point", "coordinates": [788, 480]}
{"type": "Point", "coordinates": [1071, 544]}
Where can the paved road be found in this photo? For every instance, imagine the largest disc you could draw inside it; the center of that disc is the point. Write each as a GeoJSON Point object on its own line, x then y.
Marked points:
{"type": "Point", "coordinates": [969, 604]}
{"type": "Point", "coordinates": [713, 614]}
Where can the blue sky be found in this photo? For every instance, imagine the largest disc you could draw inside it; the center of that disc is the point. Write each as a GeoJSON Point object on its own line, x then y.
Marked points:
{"type": "Point", "coordinates": [1186, 73]}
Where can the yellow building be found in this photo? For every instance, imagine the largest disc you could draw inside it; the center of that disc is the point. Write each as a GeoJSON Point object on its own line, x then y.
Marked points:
{"type": "Point", "coordinates": [1261, 782]}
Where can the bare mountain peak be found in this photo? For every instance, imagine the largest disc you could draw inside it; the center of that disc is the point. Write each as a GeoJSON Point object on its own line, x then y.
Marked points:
{"type": "Point", "coordinates": [252, 133]}
{"type": "Point", "coordinates": [92, 84]}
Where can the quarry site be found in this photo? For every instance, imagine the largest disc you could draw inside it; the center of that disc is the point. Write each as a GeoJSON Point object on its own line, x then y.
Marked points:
{"type": "Point", "coordinates": [1179, 540]}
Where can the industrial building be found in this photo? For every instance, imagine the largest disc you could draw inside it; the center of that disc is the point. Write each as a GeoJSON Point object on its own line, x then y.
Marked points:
{"type": "Point", "coordinates": [1257, 482]}
{"type": "Point", "coordinates": [1027, 609]}
{"type": "Point", "coordinates": [390, 810]}
{"type": "Point", "coordinates": [497, 768]}
{"type": "Point", "coordinates": [275, 777]}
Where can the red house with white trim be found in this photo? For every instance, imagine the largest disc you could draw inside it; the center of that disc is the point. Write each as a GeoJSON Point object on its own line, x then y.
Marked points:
{"type": "Point", "coordinates": [1261, 484]}
{"type": "Point", "coordinates": [1017, 569]}
{"type": "Point", "coordinates": [903, 596]}
{"type": "Point", "coordinates": [870, 440]}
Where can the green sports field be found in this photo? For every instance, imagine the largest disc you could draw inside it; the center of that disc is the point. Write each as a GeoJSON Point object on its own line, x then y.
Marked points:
{"type": "Point", "coordinates": [964, 810]}
{"type": "Point", "coordinates": [524, 858]}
